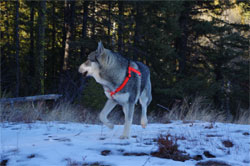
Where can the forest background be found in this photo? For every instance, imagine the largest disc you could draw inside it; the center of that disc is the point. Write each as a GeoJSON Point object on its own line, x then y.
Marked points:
{"type": "Point", "coordinates": [193, 49]}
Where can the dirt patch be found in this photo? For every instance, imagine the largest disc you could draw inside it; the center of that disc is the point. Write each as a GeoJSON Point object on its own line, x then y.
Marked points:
{"type": "Point", "coordinates": [210, 126]}
{"type": "Point", "coordinates": [4, 162]}
{"type": "Point", "coordinates": [94, 164]}
{"type": "Point", "coordinates": [246, 133]}
{"type": "Point", "coordinates": [208, 154]}
{"type": "Point", "coordinates": [135, 154]}
{"type": "Point", "coordinates": [212, 163]}
{"type": "Point", "coordinates": [64, 139]}
{"type": "Point", "coordinates": [121, 150]}
{"type": "Point", "coordinates": [177, 157]}
{"type": "Point", "coordinates": [214, 135]}
{"type": "Point", "coordinates": [227, 143]}
{"type": "Point", "coordinates": [198, 157]}
{"type": "Point", "coordinates": [31, 156]}
{"type": "Point", "coordinates": [105, 152]}
{"type": "Point", "coordinates": [102, 138]}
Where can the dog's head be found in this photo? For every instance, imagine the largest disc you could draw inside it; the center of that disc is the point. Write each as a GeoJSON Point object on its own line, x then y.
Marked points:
{"type": "Point", "coordinates": [94, 61]}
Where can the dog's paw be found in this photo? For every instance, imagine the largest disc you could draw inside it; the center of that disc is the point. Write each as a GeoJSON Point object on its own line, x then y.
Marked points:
{"type": "Point", "coordinates": [144, 123]}
{"type": "Point", "coordinates": [110, 125]}
{"type": "Point", "coordinates": [123, 137]}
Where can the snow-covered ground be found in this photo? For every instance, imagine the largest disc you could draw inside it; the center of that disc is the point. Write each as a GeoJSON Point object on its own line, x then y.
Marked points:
{"type": "Point", "coordinates": [60, 143]}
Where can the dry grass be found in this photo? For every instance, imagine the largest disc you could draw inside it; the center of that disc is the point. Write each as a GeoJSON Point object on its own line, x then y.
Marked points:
{"type": "Point", "coordinates": [198, 109]}
{"type": "Point", "coordinates": [64, 112]}
{"type": "Point", "coordinates": [243, 117]}
{"type": "Point", "coordinates": [29, 113]}
{"type": "Point", "coordinates": [21, 113]}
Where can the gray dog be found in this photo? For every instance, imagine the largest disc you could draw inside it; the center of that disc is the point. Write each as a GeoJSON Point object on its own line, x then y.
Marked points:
{"type": "Point", "coordinates": [124, 83]}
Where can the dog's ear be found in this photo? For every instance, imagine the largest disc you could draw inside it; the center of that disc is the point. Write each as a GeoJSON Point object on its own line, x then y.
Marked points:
{"type": "Point", "coordinates": [100, 48]}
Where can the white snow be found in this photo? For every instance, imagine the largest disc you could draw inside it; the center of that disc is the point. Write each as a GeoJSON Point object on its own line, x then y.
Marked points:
{"type": "Point", "coordinates": [60, 143]}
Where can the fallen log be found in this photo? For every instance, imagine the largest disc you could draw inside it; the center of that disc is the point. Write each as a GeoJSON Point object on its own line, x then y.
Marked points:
{"type": "Point", "coordinates": [30, 98]}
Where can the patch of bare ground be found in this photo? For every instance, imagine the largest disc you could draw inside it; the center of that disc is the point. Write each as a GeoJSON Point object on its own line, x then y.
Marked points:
{"type": "Point", "coordinates": [63, 139]}
{"type": "Point", "coordinates": [208, 154]}
{"type": "Point", "coordinates": [31, 156]}
{"type": "Point", "coordinates": [94, 164]}
{"type": "Point", "coordinates": [212, 163]}
{"type": "Point", "coordinates": [102, 138]}
{"type": "Point", "coordinates": [214, 135]}
{"type": "Point", "coordinates": [135, 154]}
{"type": "Point", "coordinates": [246, 133]}
{"type": "Point", "coordinates": [105, 152]}
{"type": "Point", "coordinates": [227, 143]}
{"type": "Point", "coordinates": [211, 126]}
{"type": "Point", "coordinates": [198, 157]}
{"type": "Point", "coordinates": [4, 162]}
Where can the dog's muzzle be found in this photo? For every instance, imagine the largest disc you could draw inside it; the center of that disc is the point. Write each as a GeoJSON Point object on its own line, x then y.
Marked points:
{"type": "Point", "coordinates": [82, 71]}
{"type": "Point", "coordinates": [85, 74]}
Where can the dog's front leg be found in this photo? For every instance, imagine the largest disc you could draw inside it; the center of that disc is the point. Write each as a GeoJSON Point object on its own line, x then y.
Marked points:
{"type": "Point", "coordinates": [110, 104]}
{"type": "Point", "coordinates": [128, 110]}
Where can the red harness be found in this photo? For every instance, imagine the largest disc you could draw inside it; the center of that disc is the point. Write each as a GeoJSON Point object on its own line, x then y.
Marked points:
{"type": "Point", "coordinates": [130, 69]}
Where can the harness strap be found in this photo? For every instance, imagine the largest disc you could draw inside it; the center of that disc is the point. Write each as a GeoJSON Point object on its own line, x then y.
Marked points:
{"type": "Point", "coordinates": [130, 69]}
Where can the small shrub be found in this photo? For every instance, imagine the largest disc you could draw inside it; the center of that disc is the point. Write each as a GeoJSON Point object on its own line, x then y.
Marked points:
{"type": "Point", "coordinates": [168, 148]}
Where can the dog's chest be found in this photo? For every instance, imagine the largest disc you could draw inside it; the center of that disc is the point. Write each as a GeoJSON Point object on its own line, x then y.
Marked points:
{"type": "Point", "coordinates": [119, 97]}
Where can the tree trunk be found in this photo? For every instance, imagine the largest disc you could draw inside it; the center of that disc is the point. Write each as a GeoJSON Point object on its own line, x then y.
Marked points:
{"type": "Point", "coordinates": [53, 40]}
{"type": "Point", "coordinates": [181, 42]}
{"type": "Point", "coordinates": [67, 36]}
{"type": "Point", "coordinates": [69, 26]}
{"type": "Point", "coordinates": [93, 23]}
{"type": "Point", "coordinates": [17, 47]}
{"type": "Point", "coordinates": [84, 26]}
{"type": "Point", "coordinates": [109, 24]}
{"type": "Point", "coordinates": [31, 52]}
{"type": "Point", "coordinates": [136, 36]}
{"type": "Point", "coordinates": [41, 43]}
{"type": "Point", "coordinates": [120, 26]}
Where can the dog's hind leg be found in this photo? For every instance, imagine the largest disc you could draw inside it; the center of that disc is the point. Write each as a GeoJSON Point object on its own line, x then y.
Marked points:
{"type": "Point", "coordinates": [110, 104]}
{"type": "Point", "coordinates": [128, 110]}
{"type": "Point", "coordinates": [145, 100]}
